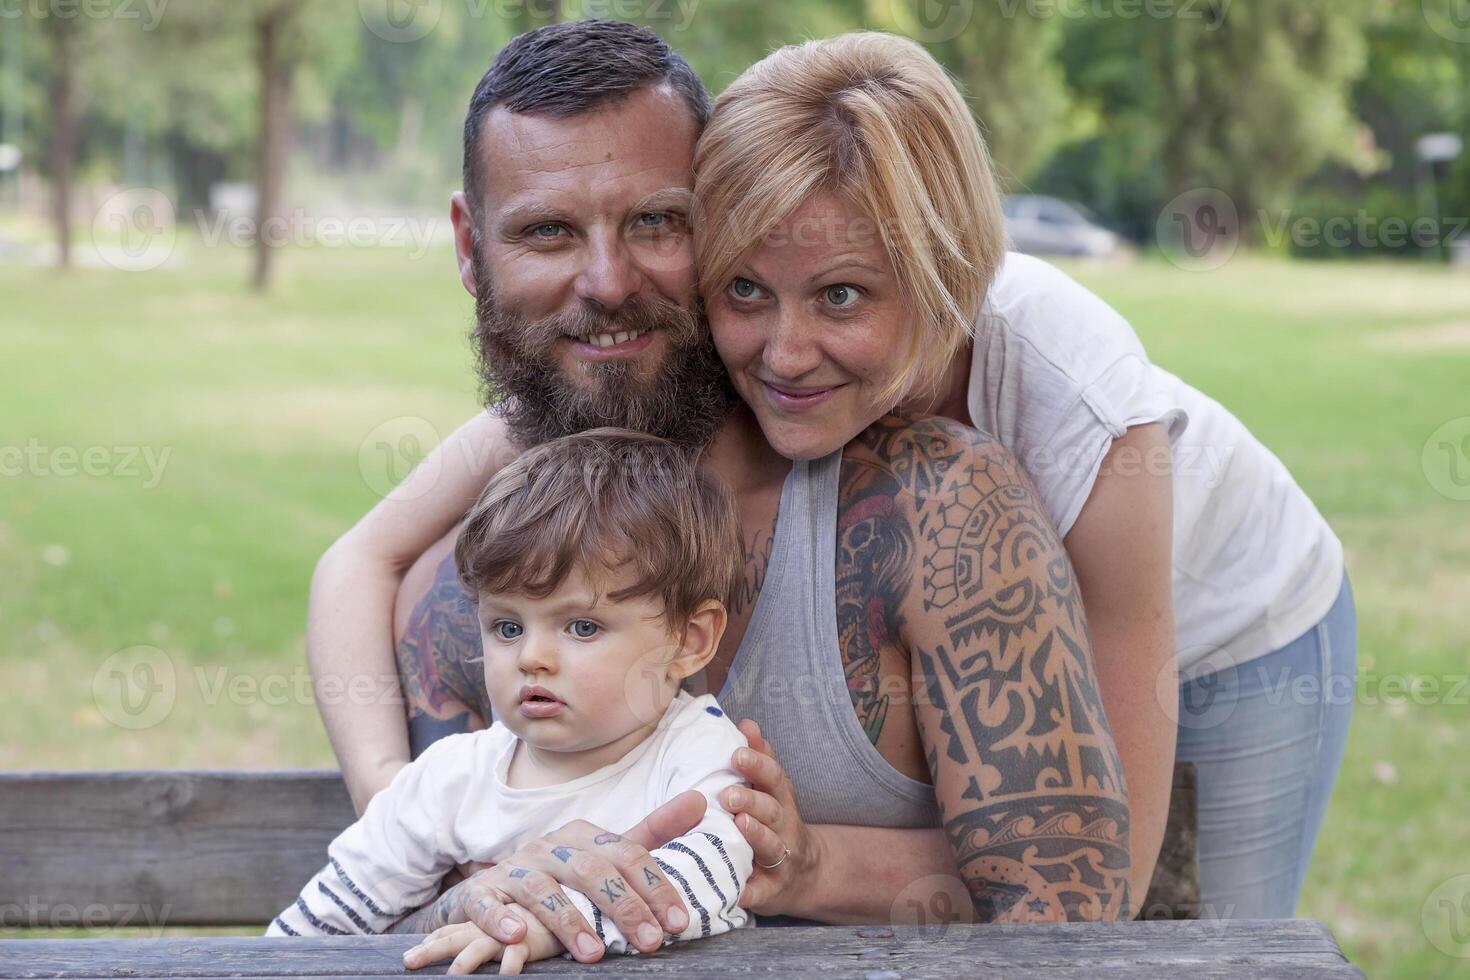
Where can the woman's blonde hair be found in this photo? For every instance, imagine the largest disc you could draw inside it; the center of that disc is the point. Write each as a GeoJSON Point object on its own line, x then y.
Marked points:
{"type": "Point", "coordinates": [874, 118]}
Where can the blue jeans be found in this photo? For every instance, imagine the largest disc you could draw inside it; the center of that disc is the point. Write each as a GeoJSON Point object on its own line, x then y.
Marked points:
{"type": "Point", "coordinates": [1267, 738]}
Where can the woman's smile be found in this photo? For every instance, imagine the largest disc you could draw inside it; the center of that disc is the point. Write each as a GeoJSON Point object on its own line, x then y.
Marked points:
{"type": "Point", "coordinates": [793, 398]}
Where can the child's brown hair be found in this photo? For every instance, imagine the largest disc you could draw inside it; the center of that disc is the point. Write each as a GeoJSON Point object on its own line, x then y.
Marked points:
{"type": "Point", "coordinates": [605, 501]}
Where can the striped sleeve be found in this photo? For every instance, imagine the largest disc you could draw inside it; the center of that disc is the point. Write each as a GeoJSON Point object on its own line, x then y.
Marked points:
{"type": "Point", "coordinates": [710, 865]}
{"type": "Point", "coordinates": [389, 862]}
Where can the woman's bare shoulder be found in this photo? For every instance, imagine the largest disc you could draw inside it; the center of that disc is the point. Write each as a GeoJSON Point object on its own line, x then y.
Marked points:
{"type": "Point", "coordinates": [929, 456]}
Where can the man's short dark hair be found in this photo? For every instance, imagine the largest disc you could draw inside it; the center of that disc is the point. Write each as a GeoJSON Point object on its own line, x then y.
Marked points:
{"type": "Point", "coordinates": [574, 67]}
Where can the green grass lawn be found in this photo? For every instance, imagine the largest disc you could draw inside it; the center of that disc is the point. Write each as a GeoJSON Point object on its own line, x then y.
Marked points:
{"type": "Point", "coordinates": [232, 437]}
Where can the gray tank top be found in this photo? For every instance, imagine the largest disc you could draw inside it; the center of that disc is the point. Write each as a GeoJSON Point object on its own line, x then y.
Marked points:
{"type": "Point", "coordinates": [787, 673]}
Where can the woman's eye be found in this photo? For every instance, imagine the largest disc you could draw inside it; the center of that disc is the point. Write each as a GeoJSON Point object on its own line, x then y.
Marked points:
{"type": "Point", "coordinates": [841, 296]}
{"type": "Point", "coordinates": [652, 219]}
{"type": "Point", "coordinates": [584, 629]}
{"type": "Point", "coordinates": [743, 288]}
{"type": "Point", "coordinates": [507, 630]}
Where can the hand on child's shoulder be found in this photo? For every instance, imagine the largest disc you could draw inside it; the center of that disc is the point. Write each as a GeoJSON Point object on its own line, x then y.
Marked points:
{"type": "Point", "coordinates": [471, 948]}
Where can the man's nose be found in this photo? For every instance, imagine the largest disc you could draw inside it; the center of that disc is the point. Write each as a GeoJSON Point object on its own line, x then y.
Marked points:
{"type": "Point", "coordinates": [609, 278]}
{"type": "Point", "coordinates": [792, 349]}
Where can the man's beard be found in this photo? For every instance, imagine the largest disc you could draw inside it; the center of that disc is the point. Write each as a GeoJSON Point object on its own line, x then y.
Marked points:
{"type": "Point", "coordinates": [685, 401]}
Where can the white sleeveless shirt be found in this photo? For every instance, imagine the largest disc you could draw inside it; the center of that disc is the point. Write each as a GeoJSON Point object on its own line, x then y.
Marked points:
{"type": "Point", "coordinates": [1058, 375]}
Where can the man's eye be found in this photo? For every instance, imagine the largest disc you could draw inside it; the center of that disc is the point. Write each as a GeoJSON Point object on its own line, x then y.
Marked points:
{"type": "Point", "coordinates": [841, 295]}
{"type": "Point", "coordinates": [548, 230]}
{"type": "Point", "coordinates": [744, 289]}
{"type": "Point", "coordinates": [507, 630]}
{"type": "Point", "coordinates": [584, 629]}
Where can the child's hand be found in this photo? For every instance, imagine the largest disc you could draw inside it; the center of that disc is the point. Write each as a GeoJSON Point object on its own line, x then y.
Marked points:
{"type": "Point", "coordinates": [471, 948]}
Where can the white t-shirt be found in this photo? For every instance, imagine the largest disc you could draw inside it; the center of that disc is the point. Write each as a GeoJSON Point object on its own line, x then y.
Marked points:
{"type": "Point", "coordinates": [1058, 375]}
{"type": "Point", "coordinates": [452, 805]}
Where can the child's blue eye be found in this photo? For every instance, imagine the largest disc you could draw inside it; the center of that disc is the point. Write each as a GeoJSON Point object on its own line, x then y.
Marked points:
{"type": "Point", "coordinates": [584, 629]}
{"type": "Point", "coordinates": [507, 630]}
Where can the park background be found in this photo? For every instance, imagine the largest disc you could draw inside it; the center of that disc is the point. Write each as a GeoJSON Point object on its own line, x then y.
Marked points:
{"type": "Point", "coordinates": [192, 412]}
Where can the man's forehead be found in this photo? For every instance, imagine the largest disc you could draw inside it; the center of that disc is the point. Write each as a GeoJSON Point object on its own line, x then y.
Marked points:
{"type": "Point", "coordinates": [604, 153]}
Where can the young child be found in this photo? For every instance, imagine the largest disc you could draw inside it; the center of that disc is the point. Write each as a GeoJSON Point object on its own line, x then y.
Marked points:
{"type": "Point", "coordinates": [602, 563]}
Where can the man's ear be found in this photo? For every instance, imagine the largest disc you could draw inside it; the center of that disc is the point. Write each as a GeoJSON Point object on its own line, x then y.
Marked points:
{"type": "Point", "coordinates": [463, 220]}
{"type": "Point", "coordinates": [699, 640]}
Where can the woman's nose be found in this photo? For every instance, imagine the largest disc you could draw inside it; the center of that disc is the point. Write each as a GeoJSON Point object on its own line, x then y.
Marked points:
{"type": "Point", "coordinates": [792, 349]}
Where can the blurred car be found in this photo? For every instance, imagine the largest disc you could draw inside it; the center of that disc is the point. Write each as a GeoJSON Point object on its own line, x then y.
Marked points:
{"type": "Point", "coordinates": [1040, 225]}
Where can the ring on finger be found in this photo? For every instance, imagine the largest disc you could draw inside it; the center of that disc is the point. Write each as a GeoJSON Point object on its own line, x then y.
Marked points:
{"type": "Point", "coordinates": [785, 852]}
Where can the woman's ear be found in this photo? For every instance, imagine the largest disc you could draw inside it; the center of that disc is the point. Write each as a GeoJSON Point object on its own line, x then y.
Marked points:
{"type": "Point", "coordinates": [699, 639]}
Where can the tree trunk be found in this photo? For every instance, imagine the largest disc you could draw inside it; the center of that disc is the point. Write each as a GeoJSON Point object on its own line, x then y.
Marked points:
{"type": "Point", "coordinates": [63, 143]}
{"type": "Point", "coordinates": [275, 134]}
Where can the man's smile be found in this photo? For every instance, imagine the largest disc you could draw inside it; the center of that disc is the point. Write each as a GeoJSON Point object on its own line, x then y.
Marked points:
{"type": "Point", "coordinates": [611, 346]}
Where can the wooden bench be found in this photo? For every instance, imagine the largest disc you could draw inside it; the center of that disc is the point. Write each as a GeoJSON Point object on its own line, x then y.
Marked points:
{"type": "Point", "coordinates": [153, 849]}
{"type": "Point", "coordinates": [197, 848]}
{"type": "Point", "coordinates": [1201, 950]}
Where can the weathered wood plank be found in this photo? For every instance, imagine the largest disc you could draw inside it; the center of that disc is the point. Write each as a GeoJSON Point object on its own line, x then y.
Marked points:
{"type": "Point", "coordinates": [162, 848]}
{"type": "Point", "coordinates": [553, 968]}
{"type": "Point", "coordinates": [233, 848]}
{"type": "Point", "coordinates": [1082, 951]}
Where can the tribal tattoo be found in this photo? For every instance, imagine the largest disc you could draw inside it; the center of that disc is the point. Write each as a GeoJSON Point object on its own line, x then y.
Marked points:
{"type": "Point", "coordinates": [945, 550]}
{"type": "Point", "coordinates": [438, 665]}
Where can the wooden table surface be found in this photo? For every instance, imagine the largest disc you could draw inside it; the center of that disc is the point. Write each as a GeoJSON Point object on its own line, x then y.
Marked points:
{"type": "Point", "coordinates": [1156, 950]}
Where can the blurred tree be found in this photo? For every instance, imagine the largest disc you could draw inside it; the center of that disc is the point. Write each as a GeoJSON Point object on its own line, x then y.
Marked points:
{"type": "Point", "coordinates": [1007, 63]}
{"type": "Point", "coordinates": [1417, 82]}
{"type": "Point", "coordinates": [1250, 99]}
{"type": "Point", "coordinates": [1257, 97]}
{"type": "Point", "coordinates": [1110, 154]}
{"type": "Point", "coordinates": [273, 21]}
{"type": "Point", "coordinates": [62, 32]}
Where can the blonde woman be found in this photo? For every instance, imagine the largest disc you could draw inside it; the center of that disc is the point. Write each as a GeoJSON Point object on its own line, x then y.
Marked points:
{"type": "Point", "coordinates": [1225, 568]}
{"type": "Point", "coordinates": [851, 259]}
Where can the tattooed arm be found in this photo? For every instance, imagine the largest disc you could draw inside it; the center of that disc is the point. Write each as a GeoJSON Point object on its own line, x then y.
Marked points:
{"type": "Point", "coordinates": [439, 650]}
{"type": "Point", "coordinates": [1027, 778]}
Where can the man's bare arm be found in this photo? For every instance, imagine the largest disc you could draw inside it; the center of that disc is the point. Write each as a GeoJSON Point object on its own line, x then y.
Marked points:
{"type": "Point", "coordinates": [349, 636]}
